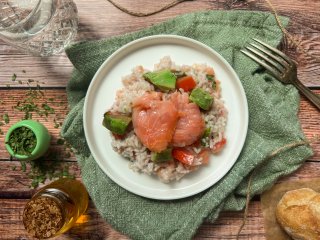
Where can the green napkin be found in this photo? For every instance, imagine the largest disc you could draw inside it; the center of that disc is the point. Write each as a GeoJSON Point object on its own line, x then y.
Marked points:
{"type": "Point", "coordinates": [273, 124]}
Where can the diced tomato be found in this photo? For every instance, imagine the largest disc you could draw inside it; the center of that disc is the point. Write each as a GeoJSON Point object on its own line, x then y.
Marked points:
{"type": "Point", "coordinates": [183, 155]}
{"type": "Point", "coordinates": [187, 83]}
{"type": "Point", "coordinates": [205, 155]}
{"type": "Point", "coordinates": [219, 145]}
{"type": "Point", "coordinates": [118, 136]}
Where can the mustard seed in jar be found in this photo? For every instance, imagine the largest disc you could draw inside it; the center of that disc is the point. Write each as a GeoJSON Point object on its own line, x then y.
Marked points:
{"type": "Point", "coordinates": [55, 208]}
{"type": "Point", "coordinates": [43, 217]}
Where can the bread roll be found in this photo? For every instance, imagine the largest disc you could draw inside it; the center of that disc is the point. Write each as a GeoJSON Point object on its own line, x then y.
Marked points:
{"type": "Point", "coordinates": [298, 212]}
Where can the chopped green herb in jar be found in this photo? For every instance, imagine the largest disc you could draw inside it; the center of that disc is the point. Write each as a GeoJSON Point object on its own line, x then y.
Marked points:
{"type": "Point", "coordinates": [22, 141]}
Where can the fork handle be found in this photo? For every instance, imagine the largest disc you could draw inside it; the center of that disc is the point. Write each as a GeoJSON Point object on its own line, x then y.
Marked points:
{"type": "Point", "coordinates": [314, 98]}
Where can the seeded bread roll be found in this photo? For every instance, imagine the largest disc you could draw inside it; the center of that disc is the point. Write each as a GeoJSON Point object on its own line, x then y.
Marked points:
{"type": "Point", "coordinates": [298, 212]}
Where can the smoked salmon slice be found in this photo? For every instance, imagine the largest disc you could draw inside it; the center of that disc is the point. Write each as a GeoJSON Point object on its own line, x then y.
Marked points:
{"type": "Point", "coordinates": [154, 120]}
{"type": "Point", "coordinates": [190, 125]}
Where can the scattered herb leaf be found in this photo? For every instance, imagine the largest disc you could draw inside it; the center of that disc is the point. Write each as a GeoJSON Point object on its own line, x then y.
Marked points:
{"type": "Point", "coordinates": [212, 79]}
{"type": "Point", "coordinates": [5, 118]}
{"type": "Point", "coordinates": [60, 141]}
{"type": "Point", "coordinates": [13, 77]}
{"type": "Point", "coordinates": [52, 165]}
{"type": "Point", "coordinates": [23, 166]}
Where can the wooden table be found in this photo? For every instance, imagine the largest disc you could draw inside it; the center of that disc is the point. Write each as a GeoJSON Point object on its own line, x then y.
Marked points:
{"type": "Point", "coordinates": [100, 19]}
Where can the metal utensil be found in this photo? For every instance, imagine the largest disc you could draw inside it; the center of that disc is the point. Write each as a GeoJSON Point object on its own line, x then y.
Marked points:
{"type": "Point", "coordinates": [280, 66]}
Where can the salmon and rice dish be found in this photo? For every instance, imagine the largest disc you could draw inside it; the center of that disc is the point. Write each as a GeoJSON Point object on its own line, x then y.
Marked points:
{"type": "Point", "coordinates": [168, 121]}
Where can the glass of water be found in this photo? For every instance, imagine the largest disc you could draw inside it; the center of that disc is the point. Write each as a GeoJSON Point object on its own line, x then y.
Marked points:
{"type": "Point", "coordinates": [39, 27]}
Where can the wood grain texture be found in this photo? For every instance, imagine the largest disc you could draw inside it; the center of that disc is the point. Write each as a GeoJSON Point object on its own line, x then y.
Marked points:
{"type": "Point", "coordinates": [15, 183]}
{"type": "Point", "coordinates": [54, 98]}
{"type": "Point", "coordinates": [93, 227]}
{"type": "Point", "coordinates": [99, 19]}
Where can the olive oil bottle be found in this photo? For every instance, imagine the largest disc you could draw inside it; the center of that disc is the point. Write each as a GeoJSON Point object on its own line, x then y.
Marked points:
{"type": "Point", "coordinates": [55, 208]}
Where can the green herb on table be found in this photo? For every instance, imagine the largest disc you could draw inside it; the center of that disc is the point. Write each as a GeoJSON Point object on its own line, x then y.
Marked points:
{"type": "Point", "coordinates": [47, 109]}
{"type": "Point", "coordinates": [48, 167]}
{"type": "Point", "coordinates": [52, 165]}
{"type": "Point", "coordinates": [56, 125]}
{"type": "Point", "coordinates": [22, 141]}
{"type": "Point", "coordinates": [5, 118]}
{"type": "Point", "coordinates": [13, 168]}
{"type": "Point", "coordinates": [23, 166]}
{"type": "Point", "coordinates": [60, 141]}
{"type": "Point", "coordinates": [13, 77]}
{"type": "Point", "coordinates": [30, 104]}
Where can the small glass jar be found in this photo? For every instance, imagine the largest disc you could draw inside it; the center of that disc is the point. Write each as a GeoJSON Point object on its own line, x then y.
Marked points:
{"type": "Point", "coordinates": [55, 208]}
{"type": "Point", "coordinates": [39, 27]}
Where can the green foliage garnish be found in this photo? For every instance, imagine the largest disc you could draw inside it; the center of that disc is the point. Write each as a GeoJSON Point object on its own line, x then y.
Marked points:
{"type": "Point", "coordinates": [14, 77]}
{"type": "Point", "coordinates": [35, 103]}
{"type": "Point", "coordinates": [22, 141]}
{"type": "Point", "coordinates": [6, 118]}
{"type": "Point", "coordinates": [212, 79]}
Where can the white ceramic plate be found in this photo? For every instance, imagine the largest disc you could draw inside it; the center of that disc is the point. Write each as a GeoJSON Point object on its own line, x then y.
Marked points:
{"type": "Point", "coordinates": [146, 52]}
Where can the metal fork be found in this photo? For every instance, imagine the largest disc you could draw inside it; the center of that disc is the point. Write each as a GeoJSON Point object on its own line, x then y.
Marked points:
{"type": "Point", "coordinates": [280, 66]}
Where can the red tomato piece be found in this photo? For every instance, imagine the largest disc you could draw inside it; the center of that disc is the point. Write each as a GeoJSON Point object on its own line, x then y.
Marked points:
{"type": "Point", "coordinates": [187, 83]}
{"type": "Point", "coordinates": [205, 155]}
{"type": "Point", "coordinates": [183, 155]}
{"type": "Point", "coordinates": [118, 136]}
{"type": "Point", "coordinates": [219, 145]}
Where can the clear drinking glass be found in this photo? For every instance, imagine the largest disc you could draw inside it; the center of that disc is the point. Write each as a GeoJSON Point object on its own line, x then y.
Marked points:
{"type": "Point", "coordinates": [39, 27]}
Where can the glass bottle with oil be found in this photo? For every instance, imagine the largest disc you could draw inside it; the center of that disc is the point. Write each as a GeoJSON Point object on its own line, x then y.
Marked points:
{"type": "Point", "coordinates": [55, 208]}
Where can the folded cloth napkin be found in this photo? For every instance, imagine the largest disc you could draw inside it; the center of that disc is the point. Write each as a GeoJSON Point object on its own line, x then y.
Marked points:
{"type": "Point", "coordinates": [273, 124]}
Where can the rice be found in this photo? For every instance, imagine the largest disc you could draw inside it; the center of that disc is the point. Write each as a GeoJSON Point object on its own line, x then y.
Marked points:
{"type": "Point", "coordinates": [140, 157]}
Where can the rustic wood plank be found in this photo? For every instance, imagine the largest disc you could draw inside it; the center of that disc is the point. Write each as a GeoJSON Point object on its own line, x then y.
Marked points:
{"type": "Point", "coordinates": [90, 226]}
{"type": "Point", "coordinates": [95, 228]}
{"type": "Point", "coordinates": [14, 183]}
{"type": "Point", "coordinates": [102, 19]}
{"type": "Point", "coordinates": [54, 98]}
{"type": "Point", "coordinates": [303, 27]}
{"type": "Point", "coordinates": [310, 121]}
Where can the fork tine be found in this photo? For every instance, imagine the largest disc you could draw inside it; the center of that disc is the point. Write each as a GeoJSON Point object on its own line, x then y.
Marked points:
{"type": "Point", "coordinates": [285, 57]}
{"type": "Point", "coordinates": [267, 60]}
{"type": "Point", "coordinates": [273, 72]}
{"type": "Point", "coordinates": [278, 59]}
